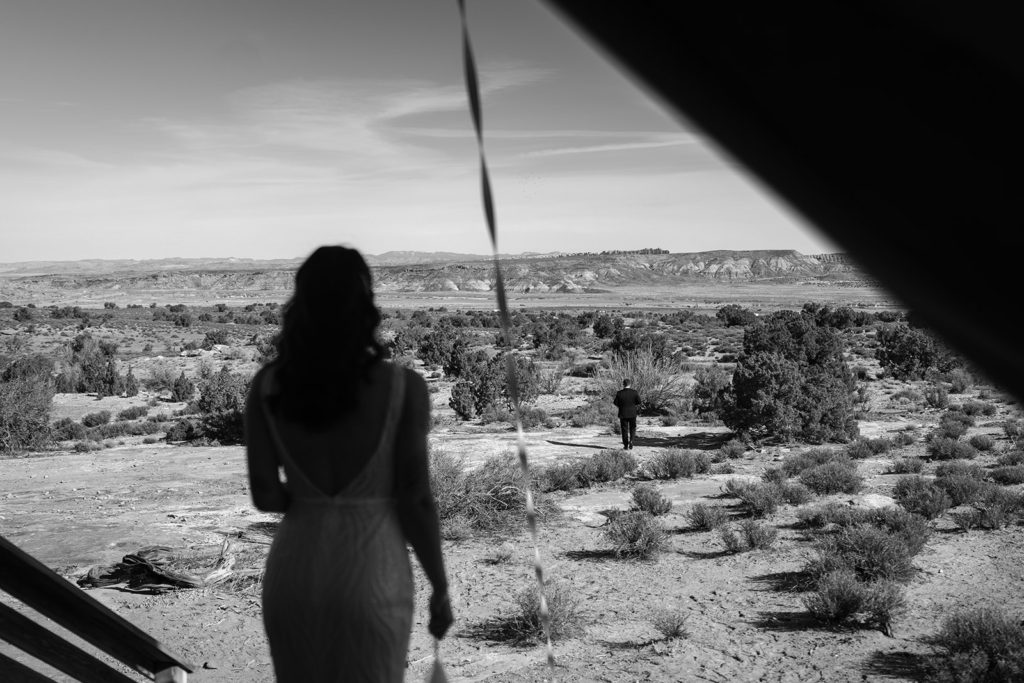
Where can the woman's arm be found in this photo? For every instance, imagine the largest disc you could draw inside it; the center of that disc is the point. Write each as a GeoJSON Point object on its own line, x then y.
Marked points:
{"type": "Point", "coordinates": [268, 493]}
{"type": "Point", "coordinates": [417, 512]}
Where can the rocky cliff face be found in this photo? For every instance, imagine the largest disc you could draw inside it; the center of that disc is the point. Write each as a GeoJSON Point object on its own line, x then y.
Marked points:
{"type": "Point", "coordinates": [527, 274]}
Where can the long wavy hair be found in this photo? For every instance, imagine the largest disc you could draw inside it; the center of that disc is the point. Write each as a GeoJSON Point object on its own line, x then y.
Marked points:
{"type": "Point", "coordinates": [328, 338]}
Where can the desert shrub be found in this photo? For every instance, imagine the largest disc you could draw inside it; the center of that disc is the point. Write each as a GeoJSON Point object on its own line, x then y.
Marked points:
{"type": "Point", "coordinates": [133, 413]}
{"type": "Point", "coordinates": [96, 419]}
{"type": "Point", "coordinates": [903, 439]}
{"type": "Point", "coordinates": [66, 429]}
{"type": "Point", "coordinates": [909, 352]}
{"type": "Point", "coordinates": [859, 449]}
{"type": "Point", "coordinates": [710, 389]}
{"type": "Point", "coordinates": [733, 449]}
{"type": "Point", "coordinates": [221, 403]}
{"type": "Point", "coordinates": [832, 477]}
{"type": "Point", "coordinates": [549, 381]}
{"type": "Point", "coordinates": [959, 381]}
{"type": "Point", "coordinates": [839, 597]}
{"type": "Point", "coordinates": [959, 468]}
{"type": "Point", "coordinates": [564, 618]}
{"type": "Point", "coordinates": [792, 381]}
{"type": "Point", "coordinates": [88, 446]}
{"type": "Point", "coordinates": [562, 477]}
{"type": "Point", "coordinates": [909, 465]}
{"type": "Point", "coordinates": [124, 428]}
{"type": "Point", "coordinates": [183, 389]}
{"type": "Point", "coordinates": [598, 412]}
{"type": "Point", "coordinates": [184, 430]}
{"type": "Point", "coordinates": [982, 442]}
{"type": "Point", "coordinates": [823, 515]}
{"type": "Point", "coordinates": [485, 383]}
{"type": "Point", "coordinates": [646, 498]}
{"type": "Point", "coordinates": [731, 540]}
{"type": "Point", "coordinates": [706, 517]}
{"type": "Point", "coordinates": [961, 489]}
{"type": "Point", "coordinates": [1011, 458]}
{"type": "Point", "coordinates": [936, 396]}
{"type": "Point", "coordinates": [760, 500]}
{"type": "Point", "coordinates": [871, 553]}
{"type": "Point", "coordinates": [977, 408]}
{"type": "Point", "coordinates": [1013, 428]}
{"type": "Point", "coordinates": [669, 420]}
{"type": "Point", "coordinates": [757, 536]}
{"type": "Point", "coordinates": [734, 315]}
{"type": "Point", "coordinates": [678, 463]}
{"type": "Point", "coordinates": [670, 623]}
{"type": "Point", "coordinates": [945, 448]}
{"type": "Point", "coordinates": [608, 465]}
{"type": "Point", "coordinates": [774, 475]}
{"type": "Point", "coordinates": [656, 378]}
{"type": "Point", "coordinates": [921, 496]}
{"type": "Point", "coordinates": [979, 645]}
{"type": "Point", "coordinates": [794, 493]}
{"type": "Point", "coordinates": [447, 482]}
{"type": "Point", "coordinates": [996, 508]}
{"type": "Point", "coordinates": [636, 534]}
{"type": "Point", "coordinates": [1013, 474]}
{"type": "Point", "coordinates": [796, 463]}
{"type": "Point", "coordinates": [949, 428]}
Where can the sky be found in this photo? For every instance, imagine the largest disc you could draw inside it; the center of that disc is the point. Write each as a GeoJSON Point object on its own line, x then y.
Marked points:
{"type": "Point", "coordinates": [263, 129]}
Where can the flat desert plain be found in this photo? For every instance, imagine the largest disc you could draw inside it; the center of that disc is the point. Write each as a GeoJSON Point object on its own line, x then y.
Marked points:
{"type": "Point", "coordinates": [744, 613]}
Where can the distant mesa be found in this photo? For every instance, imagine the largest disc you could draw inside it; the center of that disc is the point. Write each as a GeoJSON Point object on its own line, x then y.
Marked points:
{"type": "Point", "coordinates": [412, 271]}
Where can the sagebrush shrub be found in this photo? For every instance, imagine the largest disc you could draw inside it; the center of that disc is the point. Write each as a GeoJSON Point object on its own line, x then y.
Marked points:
{"type": "Point", "coordinates": [1013, 428]}
{"type": "Point", "coordinates": [677, 463]}
{"type": "Point", "coordinates": [774, 475]}
{"type": "Point", "coordinates": [1014, 474]}
{"type": "Point", "coordinates": [936, 396]}
{"type": "Point", "coordinates": [837, 596]}
{"type": "Point", "coordinates": [921, 496]}
{"type": "Point", "coordinates": [646, 498]}
{"type": "Point", "coordinates": [670, 622]}
{"type": "Point", "coordinates": [731, 540]}
{"type": "Point", "coordinates": [858, 449]}
{"type": "Point", "coordinates": [1009, 458]}
{"type": "Point", "coordinates": [636, 534]}
{"type": "Point", "coordinates": [982, 442]}
{"type": "Point", "coordinates": [66, 429]}
{"type": "Point", "coordinates": [96, 419]}
{"type": "Point", "coordinates": [961, 489]}
{"type": "Point", "coordinates": [733, 449]}
{"type": "Point", "coordinates": [760, 500]}
{"type": "Point", "coordinates": [793, 465]}
{"type": "Point", "coordinates": [133, 413]}
{"type": "Point", "coordinates": [607, 465]}
{"type": "Point", "coordinates": [757, 535]}
{"type": "Point", "coordinates": [794, 493]}
{"type": "Point", "coordinates": [903, 439]}
{"type": "Point", "coordinates": [910, 465]}
{"type": "Point", "coordinates": [706, 517]}
{"type": "Point", "coordinates": [564, 618]}
{"type": "Point", "coordinates": [657, 378]}
{"type": "Point", "coordinates": [822, 515]}
{"type": "Point", "coordinates": [983, 645]}
{"type": "Point", "coordinates": [945, 448]}
{"type": "Point", "coordinates": [869, 552]}
{"type": "Point", "coordinates": [960, 468]}
{"type": "Point", "coordinates": [832, 477]}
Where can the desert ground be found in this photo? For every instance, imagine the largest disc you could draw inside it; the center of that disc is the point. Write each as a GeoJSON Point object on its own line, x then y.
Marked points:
{"type": "Point", "coordinates": [78, 507]}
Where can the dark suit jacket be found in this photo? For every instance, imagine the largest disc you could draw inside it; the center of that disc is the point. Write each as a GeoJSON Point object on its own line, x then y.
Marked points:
{"type": "Point", "coordinates": [628, 401]}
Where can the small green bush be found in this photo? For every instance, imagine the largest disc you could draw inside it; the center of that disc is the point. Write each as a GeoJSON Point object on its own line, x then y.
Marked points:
{"type": "Point", "coordinates": [945, 448]}
{"type": "Point", "coordinates": [670, 623]}
{"type": "Point", "coordinates": [757, 536]}
{"type": "Point", "coordinates": [908, 465]}
{"type": "Point", "coordinates": [960, 468]}
{"type": "Point", "coordinates": [678, 463]}
{"type": "Point", "coordinates": [903, 439]}
{"type": "Point", "coordinates": [979, 645]}
{"type": "Point", "coordinates": [95, 419]}
{"type": "Point", "coordinates": [961, 489]}
{"type": "Point", "coordinates": [607, 465]}
{"type": "Point", "coordinates": [936, 396]}
{"type": "Point", "coordinates": [564, 618]}
{"type": "Point", "coordinates": [977, 408]}
{"type": "Point", "coordinates": [982, 442]}
{"type": "Point", "coordinates": [869, 552]}
{"type": "Point", "coordinates": [1013, 428]}
{"type": "Point", "coordinates": [646, 498]}
{"type": "Point", "coordinates": [793, 465]}
{"type": "Point", "coordinates": [760, 500]}
{"type": "Point", "coordinates": [832, 477]}
{"type": "Point", "coordinates": [1011, 458]}
{"type": "Point", "coordinates": [733, 449]}
{"type": "Point", "coordinates": [66, 429]}
{"type": "Point", "coordinates": [921, 496]}
{"type": "Point", "coordinates": [733, 543]}
{"type": "Point", "coordinates": [794, 493]}
{"type": "Point", "coordinates": [1013, 474]}
{"type": "Point", "coordinates": [858, 449]}
{"type": "Point", "coordinates": [636, 534]}
{"type": "Point", "coordinates": [706, 517]}
{"type": "Point", "coordinates": [133, 413]}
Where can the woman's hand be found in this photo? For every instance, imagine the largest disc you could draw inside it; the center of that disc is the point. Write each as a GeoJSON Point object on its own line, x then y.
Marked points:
{"type": "Point", "coordinates": [440, 614]}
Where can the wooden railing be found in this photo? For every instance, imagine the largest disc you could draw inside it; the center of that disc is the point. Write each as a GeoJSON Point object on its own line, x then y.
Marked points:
{"type": "Point", "coordinates": [27, 579]}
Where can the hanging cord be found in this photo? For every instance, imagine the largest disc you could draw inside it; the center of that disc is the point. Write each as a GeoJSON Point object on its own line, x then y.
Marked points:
{"type": "Point", "coordinates": [473, 90]}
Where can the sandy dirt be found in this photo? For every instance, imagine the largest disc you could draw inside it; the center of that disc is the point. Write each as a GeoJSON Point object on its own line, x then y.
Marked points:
{"type": "Point", "coordinates": [73, 511]}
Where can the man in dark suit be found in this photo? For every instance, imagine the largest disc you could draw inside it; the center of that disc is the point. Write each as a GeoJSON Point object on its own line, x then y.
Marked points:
{"type": "Point", "coordinates": [627, 400]}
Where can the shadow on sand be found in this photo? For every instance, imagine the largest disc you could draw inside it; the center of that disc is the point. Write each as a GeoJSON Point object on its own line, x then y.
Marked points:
{"type": "Point", "coordinates": [698, 440]}
{"type": "Point", "coordinates": [897, 665]}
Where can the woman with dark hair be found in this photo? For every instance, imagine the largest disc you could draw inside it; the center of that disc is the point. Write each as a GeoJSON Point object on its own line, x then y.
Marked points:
{"type": "Point", "coordinates": [350, 431]}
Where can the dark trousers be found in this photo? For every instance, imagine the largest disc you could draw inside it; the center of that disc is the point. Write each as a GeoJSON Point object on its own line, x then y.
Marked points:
{"type": "Point", "coordinates": [628, 428]}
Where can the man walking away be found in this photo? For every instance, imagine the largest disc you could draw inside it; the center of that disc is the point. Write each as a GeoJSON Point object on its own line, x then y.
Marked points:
{"type": "Point", "coordinates": [627, 401]}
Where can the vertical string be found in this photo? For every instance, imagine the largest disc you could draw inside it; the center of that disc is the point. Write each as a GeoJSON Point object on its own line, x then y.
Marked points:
{"type": "Point", "coordinates": [473, 91]}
